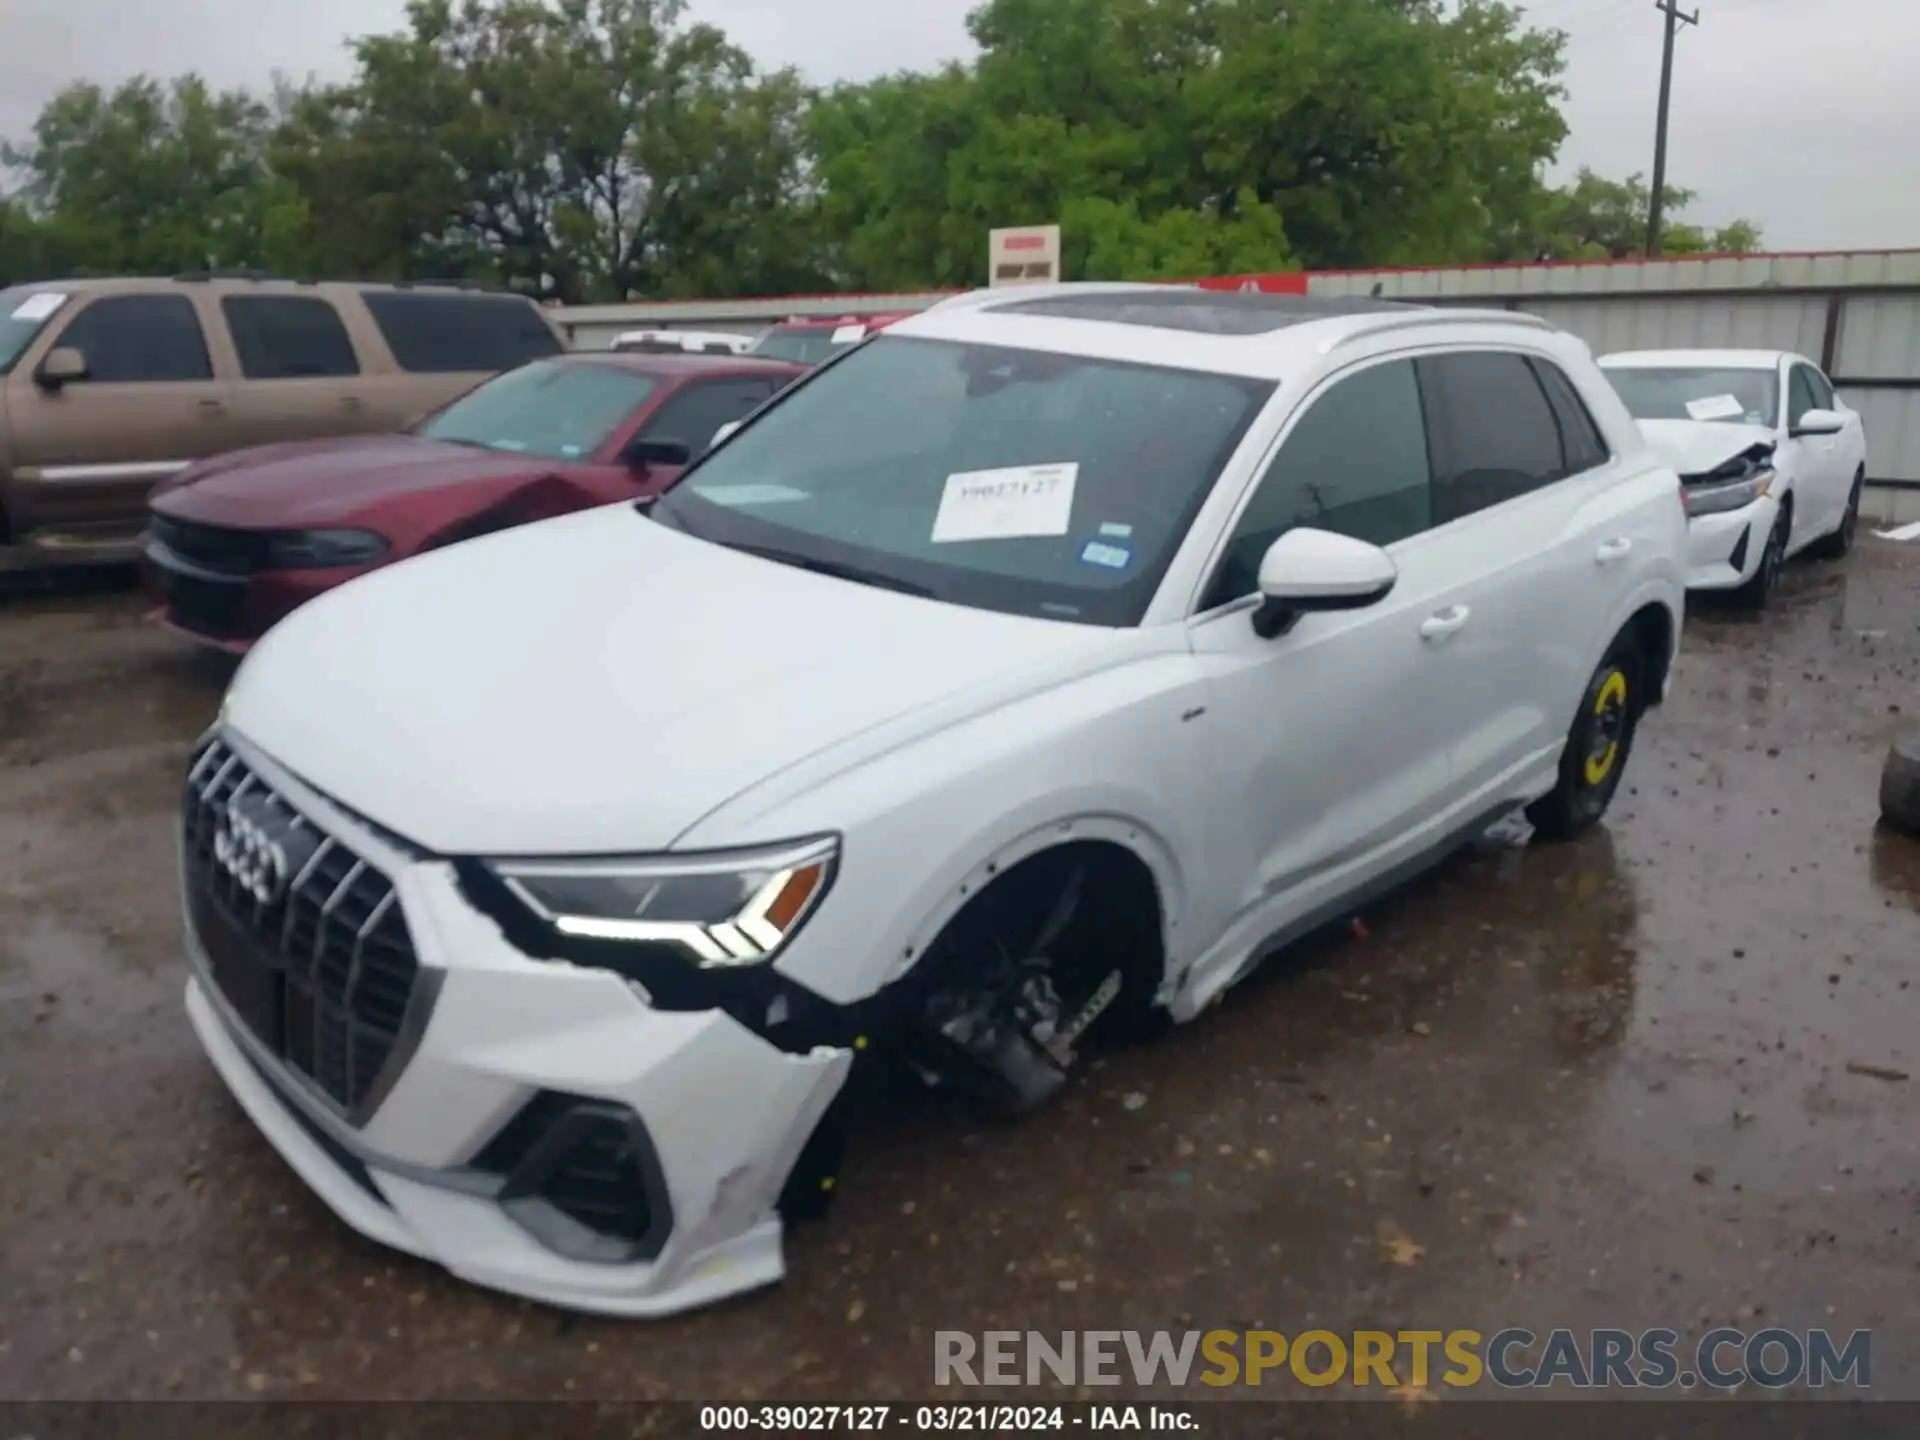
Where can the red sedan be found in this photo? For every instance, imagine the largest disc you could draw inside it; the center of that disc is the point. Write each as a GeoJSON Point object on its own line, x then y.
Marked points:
{"type": "Point", "coordinates": [235, 543]}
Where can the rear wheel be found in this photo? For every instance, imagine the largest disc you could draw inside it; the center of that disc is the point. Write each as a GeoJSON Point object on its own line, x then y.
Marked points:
{"type": "Point", "coordinates": [1598, 744]}
{"type": "Point", "coordinates": [1835, 546]}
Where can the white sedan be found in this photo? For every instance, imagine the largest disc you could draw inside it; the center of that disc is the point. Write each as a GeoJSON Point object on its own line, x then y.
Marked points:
{"type": "Point", "coordinates": [1772, 461]}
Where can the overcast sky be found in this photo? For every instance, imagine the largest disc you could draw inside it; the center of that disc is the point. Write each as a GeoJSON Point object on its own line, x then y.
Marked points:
{"type": "Point", "coordinates": [1800, 115]}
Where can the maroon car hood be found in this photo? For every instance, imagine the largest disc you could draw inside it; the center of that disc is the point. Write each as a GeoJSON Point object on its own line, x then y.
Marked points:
{"type": "Point", "coordinates": [315, 483]}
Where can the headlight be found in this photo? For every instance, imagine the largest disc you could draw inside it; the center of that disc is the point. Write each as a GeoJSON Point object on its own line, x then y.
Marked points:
{"type": "Point", "coordinates": [1729, 495]}
{"type": "Point", "coordinates": [722, 909]}
{"type": "Point", "coordinates": [320, 549]}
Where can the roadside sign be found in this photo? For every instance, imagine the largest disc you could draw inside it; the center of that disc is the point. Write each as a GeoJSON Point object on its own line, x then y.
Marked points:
{"type": "Point", "coordinates": [1023, 255]}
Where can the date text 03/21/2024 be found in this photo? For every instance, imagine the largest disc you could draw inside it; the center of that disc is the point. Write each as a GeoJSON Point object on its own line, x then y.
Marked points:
{"type": "Point", "coordinates": [934, 1419]}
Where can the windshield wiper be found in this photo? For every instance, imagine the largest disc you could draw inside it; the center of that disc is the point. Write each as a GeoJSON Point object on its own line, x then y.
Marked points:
{"type": "Point", "coordinates": [839, 571]}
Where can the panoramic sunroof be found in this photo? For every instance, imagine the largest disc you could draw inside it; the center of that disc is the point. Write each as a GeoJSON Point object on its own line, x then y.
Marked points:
{"type": "Point", "coordinates": [1201, 312]}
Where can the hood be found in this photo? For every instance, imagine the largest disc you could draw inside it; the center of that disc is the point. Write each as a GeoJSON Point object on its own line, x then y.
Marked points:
{"type": "Point", "coordinates": [315, 483]}
{"type": "Point", "coordinates": [1696, 447]}
{"type": "Point", "coordinates": [598, 683]}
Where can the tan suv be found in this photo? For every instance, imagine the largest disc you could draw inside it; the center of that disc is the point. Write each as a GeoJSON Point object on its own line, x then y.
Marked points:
{"type": "Point", "coordinates": [107, 386]}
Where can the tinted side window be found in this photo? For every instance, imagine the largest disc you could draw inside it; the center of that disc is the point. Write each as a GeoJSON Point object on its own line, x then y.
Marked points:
{"type": "Point", "coordinates": [1580, 438]}
{"type": "Point", "coordinates": [288, 337]}
{"type": "Point", "coordinates": [693, 413]}
{"type": "Point", "coordinates": [1355, 463]}
{"type": "Point", "coordinates": [129, 338]}
{"type": "Point", "coordinates": [1494, 435]}
{"type": "Point", "coordinates": [456, 334]}
{"type": "Point", "coordinates": [1800, 395]}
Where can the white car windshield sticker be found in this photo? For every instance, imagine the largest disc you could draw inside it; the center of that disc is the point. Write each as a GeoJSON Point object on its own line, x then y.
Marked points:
{"type": "Point", "coordinates": [752, 494]}
{"type": "Point", "coordinates": [847, 334]}
{"type": "Point", "coordinates": [1717, 407]}
{"type": "Point", "coordinates": [40, 306]}
{"type": "Point", "coordinates": [1114, 557]}
{"type": "Point", "coordinates": [1023, 500]}
{"type": "Point", "coordinates": [1118, 532]}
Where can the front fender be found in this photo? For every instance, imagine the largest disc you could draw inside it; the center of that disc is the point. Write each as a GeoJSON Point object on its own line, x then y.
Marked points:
{"type": "Point", "coordinates": [925, 825]}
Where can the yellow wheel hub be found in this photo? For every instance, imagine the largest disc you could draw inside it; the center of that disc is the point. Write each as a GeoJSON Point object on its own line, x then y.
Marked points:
{"type": "Point", "coordinates": [1609, 723]}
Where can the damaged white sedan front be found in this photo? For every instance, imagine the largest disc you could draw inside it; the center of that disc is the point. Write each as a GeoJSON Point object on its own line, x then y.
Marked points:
{"type": "Point", "coordinates": [1771, 461]}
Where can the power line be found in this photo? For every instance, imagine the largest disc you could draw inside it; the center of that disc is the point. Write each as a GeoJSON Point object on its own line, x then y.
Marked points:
{"type": "Point", "coordinates": [1671, 10]}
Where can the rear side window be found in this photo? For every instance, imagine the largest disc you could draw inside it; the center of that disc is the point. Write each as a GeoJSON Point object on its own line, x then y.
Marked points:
{"type": "Point", "coordinates": [459, 334]}
{"type": "Point", "coordinates": [131, 339]}
{"type": "Point", "coordinates": [1822, 390]}
{"type": "Point", "coordinates": [1355, 463]}
{"type": "Point", "coordinates": [288, 337]}
{"type": "Point", "coordinates": [1580, 439]}
{"type": "Point", "coordinates": [693, 413]}
{"type": "Point", "coordinates": [1495, 437]}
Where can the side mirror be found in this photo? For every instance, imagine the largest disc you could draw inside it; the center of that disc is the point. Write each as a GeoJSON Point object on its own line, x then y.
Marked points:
{"type": "Point", "coordinates": [63, 364]}
{"type": "Point", "coordinates": [1819, 422]}
{"type": "Point", "coordinates": [644, 454]}
{"type": "Point", "coordinates": [724, 431]}
{"type": "Point", "coordinates": [1306, 570]}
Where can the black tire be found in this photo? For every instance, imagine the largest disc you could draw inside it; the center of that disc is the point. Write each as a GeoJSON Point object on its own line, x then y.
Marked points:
{"type": "Point", "coordinates": [1839, 544]}
{"type": "Point", "coordinates": [1900, 785]}
{"type": "Point", "coordinates": [1758, 592]}
{"type": "Point", "coordinates": [1598, 744]}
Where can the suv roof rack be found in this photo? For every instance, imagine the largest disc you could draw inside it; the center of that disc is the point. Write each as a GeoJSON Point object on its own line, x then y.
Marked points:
{"type": "Point", "coordinates": [1444, 315]}
{"type": "Point", "coordinates": [201, 277]}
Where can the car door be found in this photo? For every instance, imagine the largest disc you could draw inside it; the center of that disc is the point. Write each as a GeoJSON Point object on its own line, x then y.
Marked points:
{"type": "Point", "coordinates": [1817, 461]}
{"type": "Point", "coordinates": [87, 451]}
{"type": "Point", "coordinates": [1529, 511]}
{"type": "Point", "coordinates": [1850, 445]}
{"type": "Point", "coordinates": [1331, 740]}
{"type": "Point", "coordinates": [300, 377]}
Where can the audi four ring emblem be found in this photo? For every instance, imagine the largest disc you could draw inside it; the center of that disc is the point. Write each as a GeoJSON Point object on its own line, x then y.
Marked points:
{"type": "Point", "coordinates": [256, 860]}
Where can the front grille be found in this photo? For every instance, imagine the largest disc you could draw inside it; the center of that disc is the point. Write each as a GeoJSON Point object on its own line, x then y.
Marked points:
{"type": "Point", "coordinates": [213, 547]}
{"type": "Point", "coordinates": [207, 607]}
{"type": "Point", "coordinates": [320, 968]}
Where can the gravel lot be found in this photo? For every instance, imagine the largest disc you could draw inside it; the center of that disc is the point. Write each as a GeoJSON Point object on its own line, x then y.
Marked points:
{"type": "Point", "coordinates": [1600, 1084]}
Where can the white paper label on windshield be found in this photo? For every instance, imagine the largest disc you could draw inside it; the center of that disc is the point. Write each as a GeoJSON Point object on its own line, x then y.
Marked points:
{"type": "Point", "coordinates": [39, 306]}
{"type": "Point", "coordinates": [1024, 500]}
{"type": "Point", "coordinates": [847, 334]}
{"type": "Point", "coordinates": [1717, 407]}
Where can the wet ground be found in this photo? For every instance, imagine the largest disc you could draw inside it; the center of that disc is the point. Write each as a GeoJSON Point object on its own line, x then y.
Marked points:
{"type": "Point", "coordinates": [1656, 1077]}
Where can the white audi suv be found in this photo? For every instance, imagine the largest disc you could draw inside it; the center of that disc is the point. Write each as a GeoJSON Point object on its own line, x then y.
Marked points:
{"type": "Point", "coordinates": [1023, 676]}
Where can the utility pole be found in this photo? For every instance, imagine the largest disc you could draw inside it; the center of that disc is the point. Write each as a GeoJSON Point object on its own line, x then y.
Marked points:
{"type": "Point", "coordinates": [1671, 10]}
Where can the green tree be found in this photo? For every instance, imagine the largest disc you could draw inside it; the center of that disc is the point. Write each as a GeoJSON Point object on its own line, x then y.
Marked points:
{"type": "Point", "coordinates": [583, 148]}
{"type": "Point", "coordinates": [149, 178]}
{"type": "Point", "coordinates": [1597, 219]}
{"type": "Point", "coordinates": [1321, 132]}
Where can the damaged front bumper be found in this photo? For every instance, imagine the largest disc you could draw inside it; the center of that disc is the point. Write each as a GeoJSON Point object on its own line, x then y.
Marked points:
{"type": "Point", "coordinates": [540, 1128]}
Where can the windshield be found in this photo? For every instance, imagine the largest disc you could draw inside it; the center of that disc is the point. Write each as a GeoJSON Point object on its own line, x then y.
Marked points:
{"type": "Point", "coordinates": [807, 345]}
{"type": "Point", "coordinates": [556, 409]}
{"type": "Point", "coordinates": [22, 312]}
{"type": "Point", "coordinates": [1749, 397]}
{"type": "Point", "coordinates": [1014, 480]}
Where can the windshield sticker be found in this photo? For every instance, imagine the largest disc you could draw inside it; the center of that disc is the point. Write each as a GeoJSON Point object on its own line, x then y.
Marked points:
{"type": "Point", "coordinates": [1021, 501]}
{"type": "Point", "coordinates": [1114, 557]}
{"type": "Point", "coordinates": [39, 306]}
{"type": "Point", "coordinates": [1118, 532]}
{"type": "Point", "coordinates": [569, 451]}
{"type": "Point", "coordinates": [752, 494]}
{"type": "Point", "coordinates": [847, 334]}
{"type": "Point", "coordinates": [1717, 407]}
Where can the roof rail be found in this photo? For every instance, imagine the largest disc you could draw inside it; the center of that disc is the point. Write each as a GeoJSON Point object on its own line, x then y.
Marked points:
{"type": "Point", "coordinates": [974, 299]}
{"type": "Point", "coordinates": [1443, 315]}
{"type": "Point", "coordinates": [200, 277]}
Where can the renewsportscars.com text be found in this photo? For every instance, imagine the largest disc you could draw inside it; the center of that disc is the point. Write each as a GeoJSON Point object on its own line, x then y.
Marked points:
{"type": "Point", "coordinates": [1510, 1359]}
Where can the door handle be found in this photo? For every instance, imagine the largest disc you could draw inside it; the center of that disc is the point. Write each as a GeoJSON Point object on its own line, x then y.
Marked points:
{"type": "Point", "coordinates": [213, 407]}
{"type": "Point", "coordinates": [352, 402]}
{"type": "Point", "coordinates": [1612, 550]}
{"type": "Point", "coordinates": [1442, 623]}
